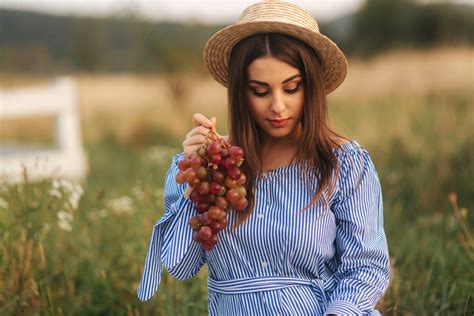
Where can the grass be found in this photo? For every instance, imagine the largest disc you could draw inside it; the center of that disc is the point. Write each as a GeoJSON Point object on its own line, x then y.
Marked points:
{"type": "Point", "coordinates": [61, 254]}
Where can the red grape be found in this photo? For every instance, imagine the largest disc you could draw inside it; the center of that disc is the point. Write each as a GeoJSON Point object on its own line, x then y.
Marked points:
{"type": "Point", "coordinates": [210, 198]}
{"type": "Point", "coordinates": [195, 163]}
{"type": "Point", "coordinates": [229, 183]}
{"type": "Point", "coordinates": [205, 219]}
{"type": "Point", "coordinates": [202, 173]}
{"type": "Point", "coordinates": [214, 212]}
{"type": "Point", "coordinates": [242, 179]}
{"type": "Point", "coordinates": [215, 188]}
{"type": "Point", "coordinates": [229, 163]}
{"type": "Point", "coordinates": [222, 191]}
{"type": "Point", "coordinates": [242, 191]}
{"type": "Point", "coordinates": [216, 227]}
{"type": "Point", "coordinates": [218, 185]}
{"type": "Point", "coordinates": [217, 176]}
{"type": "Point", "coordinates": [190, 174]}
{"type": "Point", "coordinates": [195, 222]}
{"type": "Point", "coordinates": [180, 177]}
{"type": "Point", "coordinates": [214, 148]}
{"type": "Point", "coordinates": [216, 159]}
{"type": "Point", "coordinates": [205, 233]}
{"type": "Point", "coordinates": [236, 152]}
{"type": "Point", "coordinates": [194, 183]}
{"type": "Point", "coordinates": [194, 196]}
{"type": "Point", "coordinates": [225, 153]}
{"type": "Point", "coordinates": [203, 188]}
{"type": "Point", "coordinates": [183, 164]}
{"type": "Point", "coordinates": [241, 204]}
{"type": "Point", "coordinates": [202, 207]}
{"type": "Point", "coordinates": [221, 202]}
{"type": "Point", "coordinates": [232, 196]}
{"type": "Point", "coordinates": [234, 173]}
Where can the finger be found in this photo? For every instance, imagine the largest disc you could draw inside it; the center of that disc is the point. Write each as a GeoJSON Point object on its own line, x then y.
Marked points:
{"type": "Point", "coordinates": [199, 119]}
{"type": "Point", "coordinates": [213, 121]}
{"type": "Point", "coordinates": [187, 192]}
{"type": "Point", "coordinates": [191, 150]}
{"type": "Point", "coordinates": [194, 140]}
{"type": "Point", "coordinates": [199, 130]}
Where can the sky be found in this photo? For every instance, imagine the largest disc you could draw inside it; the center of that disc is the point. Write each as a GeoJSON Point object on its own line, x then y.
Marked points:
{"type": "Point", "coordinates": [210, 11]}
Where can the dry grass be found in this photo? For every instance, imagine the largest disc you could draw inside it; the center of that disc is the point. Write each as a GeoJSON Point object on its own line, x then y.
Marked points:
{"type": "Point", "coordinates": [408, 73]}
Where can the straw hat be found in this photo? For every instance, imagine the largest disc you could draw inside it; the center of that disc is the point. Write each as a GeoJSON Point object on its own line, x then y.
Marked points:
{"type": "Point", "coordinates": [279, 17]}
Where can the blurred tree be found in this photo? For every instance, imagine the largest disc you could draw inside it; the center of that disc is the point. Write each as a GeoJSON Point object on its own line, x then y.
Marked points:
{"type": "Point", "coordinates": [381, 24]}
{"type": "Point", "coordinates": [384, 24]}
{"type": "Point", "coordinates": [88, 44]}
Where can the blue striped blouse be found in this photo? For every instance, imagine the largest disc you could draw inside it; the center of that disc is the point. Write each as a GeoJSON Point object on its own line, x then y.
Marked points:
{"type": "Point", "coordinates": [331, 258]}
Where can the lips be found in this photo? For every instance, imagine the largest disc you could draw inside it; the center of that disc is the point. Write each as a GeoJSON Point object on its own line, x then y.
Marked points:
{"type": "Point", "coordinates": [279, 123]}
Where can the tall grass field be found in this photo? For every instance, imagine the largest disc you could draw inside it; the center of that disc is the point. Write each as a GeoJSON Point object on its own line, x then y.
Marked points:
{"type": "Point", "coordinates": [78, 247]}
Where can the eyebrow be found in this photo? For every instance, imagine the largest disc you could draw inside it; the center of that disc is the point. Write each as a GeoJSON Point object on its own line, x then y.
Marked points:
{"type": "Point", "coordinates": [266, 84]}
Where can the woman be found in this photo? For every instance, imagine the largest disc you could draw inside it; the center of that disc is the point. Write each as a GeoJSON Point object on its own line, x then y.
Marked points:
{"type": "Point", "coordinates": [311, 241]}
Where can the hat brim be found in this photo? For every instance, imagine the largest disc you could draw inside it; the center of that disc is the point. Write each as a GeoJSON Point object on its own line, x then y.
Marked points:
{"type": "Point", "coordinates": [216, 53]}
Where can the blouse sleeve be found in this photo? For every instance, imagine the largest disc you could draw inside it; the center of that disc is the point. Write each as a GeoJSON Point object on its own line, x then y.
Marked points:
{"type": "Point", "coordinates": [171, 242]}
{"type": "Point", "coordinates": [362, 255]}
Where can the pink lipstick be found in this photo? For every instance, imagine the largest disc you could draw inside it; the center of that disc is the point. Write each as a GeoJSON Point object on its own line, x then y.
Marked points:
{"type": "Point", "coordinates": [279, 123]}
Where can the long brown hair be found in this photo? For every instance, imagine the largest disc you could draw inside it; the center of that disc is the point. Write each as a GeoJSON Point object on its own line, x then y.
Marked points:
{"type": "Point", "coordinates": [316, 142]}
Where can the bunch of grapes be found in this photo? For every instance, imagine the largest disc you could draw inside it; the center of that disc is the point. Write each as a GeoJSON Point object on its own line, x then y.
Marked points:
{"type": "Point", "coordinates": [217, 186]}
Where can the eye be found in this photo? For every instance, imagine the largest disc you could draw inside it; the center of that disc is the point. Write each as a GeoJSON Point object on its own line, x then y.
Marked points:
{"type": "Point", "coordinates": [259, 94]}
{"type": "Point", "coordinates": [291, 91]}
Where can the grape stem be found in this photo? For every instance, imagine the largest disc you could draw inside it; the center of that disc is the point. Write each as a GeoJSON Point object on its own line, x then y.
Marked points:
{"type": "Point", "coordinates": [212, 135]}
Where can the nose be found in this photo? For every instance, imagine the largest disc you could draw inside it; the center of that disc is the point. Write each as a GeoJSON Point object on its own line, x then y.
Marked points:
{"type": "Point", "coordinates": [278, 104]}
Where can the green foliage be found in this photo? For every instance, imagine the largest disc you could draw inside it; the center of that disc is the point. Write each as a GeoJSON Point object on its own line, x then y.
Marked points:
{"type": "Point", "coordinates": [383, 24]}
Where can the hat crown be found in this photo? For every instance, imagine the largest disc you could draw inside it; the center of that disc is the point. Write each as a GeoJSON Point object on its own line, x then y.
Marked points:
{"type": "Point", "coordinates": [276, 11]}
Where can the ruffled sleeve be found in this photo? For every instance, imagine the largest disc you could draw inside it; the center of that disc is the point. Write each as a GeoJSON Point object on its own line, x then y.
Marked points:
{"type": "Point", "coordinates": [171, 242]}
{"type": "Point", "coordinates": [363, 262]}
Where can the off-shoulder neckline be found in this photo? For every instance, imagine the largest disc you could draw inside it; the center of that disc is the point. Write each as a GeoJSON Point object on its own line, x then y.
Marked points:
{"type": "Point", "coordinates": [348, 146]}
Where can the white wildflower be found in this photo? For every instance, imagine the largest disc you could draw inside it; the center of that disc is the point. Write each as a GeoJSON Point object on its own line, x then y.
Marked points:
{"type": "Point", "coordinates": [95, 214]}
{"type": "Point", "coordinates": [64, 220]}
{"type": "Point", "coordinates": [65, 225]}
{"type": "Point", "coordinates": [121, 205]}
{"type": "Point", "coordinates": [64, 216]}
{"type": "Point", "coordinates": [72, 190]}
{"type": "Point", "coordinates": [55, 193]}
{"type": "Point", "coordinates": [138, 193]}
{"type": "Point", "coordinates": [55, 184]}
{"type": "Point", "coordinates": [102, 213]}
{"type": "Point", "coordinates": [3, 203]}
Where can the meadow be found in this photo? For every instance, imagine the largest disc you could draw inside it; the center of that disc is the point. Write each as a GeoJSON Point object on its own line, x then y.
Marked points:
{"type": "Point", "coordinates": [71, 247]}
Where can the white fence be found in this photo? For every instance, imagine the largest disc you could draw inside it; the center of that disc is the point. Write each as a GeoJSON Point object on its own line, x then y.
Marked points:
{"type": "Point", "coordinates": [66, 159]}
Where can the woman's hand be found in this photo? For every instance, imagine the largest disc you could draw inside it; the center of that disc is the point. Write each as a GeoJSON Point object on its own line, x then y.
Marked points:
{"type": "Point", "coordinates": [195, 138]}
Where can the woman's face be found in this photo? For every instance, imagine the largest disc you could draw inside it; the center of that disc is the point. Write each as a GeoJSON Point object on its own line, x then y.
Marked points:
{"type": "Point", "coordinates": [275, 94]}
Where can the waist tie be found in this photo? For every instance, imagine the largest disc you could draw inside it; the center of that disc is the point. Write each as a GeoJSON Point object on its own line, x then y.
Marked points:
{"type": "Point", "coordinates": [269, 283]}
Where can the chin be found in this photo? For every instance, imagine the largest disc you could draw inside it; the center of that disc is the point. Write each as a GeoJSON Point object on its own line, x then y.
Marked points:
{"type": "Point", "coordinates": [282, 133]}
